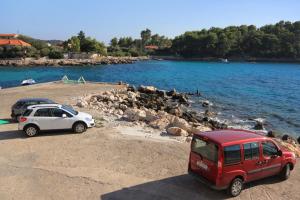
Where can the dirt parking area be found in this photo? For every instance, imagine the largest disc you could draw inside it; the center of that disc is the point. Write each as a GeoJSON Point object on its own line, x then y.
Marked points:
{"type": "Point", "coordinates": [102, 163]}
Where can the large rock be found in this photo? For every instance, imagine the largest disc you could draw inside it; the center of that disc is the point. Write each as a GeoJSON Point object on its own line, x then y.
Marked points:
{"type": "Point", "coordinates": [181, 123]}
{"type": "Point", "coordinates": [176, 111]}
{"type": "Point", "coordinates": [151, 115]}
{"type": "Point", "coordinates": [290, 146]}
{"type": "Point", "coordinates": [82, 103]}
{"type": "Point", "coordinates": [135, 114]}
{"type": "Point", "coordinates": [147, 89]}
{"type": "Point", "coordinates": [172, 92]}
{"type": "Point", "coordinates": [206, 103]}
{"type": "Point", "coordinates": [200, 128]}
{"type": "Point", "coordinates": [162, 93]}
{"type": "Point", "coordinates": [176, 131]}
{"type": "Point", "coordinates": [160, 123]}
{"type": "Point", "coordinates": [131, 88]}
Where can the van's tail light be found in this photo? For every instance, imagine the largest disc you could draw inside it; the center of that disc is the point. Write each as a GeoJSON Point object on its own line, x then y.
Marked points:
{"type": "Point", "coordinates": [23, 119]}
{"type": "Point", "coordinates": [220, 169]}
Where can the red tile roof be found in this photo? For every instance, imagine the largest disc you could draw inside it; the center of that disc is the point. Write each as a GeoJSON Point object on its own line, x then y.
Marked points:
{"type": "Point", "coordinates": [13, 42]}
{"type": "Point", "coordinates": [151, 47]}
{"type": "Point", "coordinates": [8, 35]}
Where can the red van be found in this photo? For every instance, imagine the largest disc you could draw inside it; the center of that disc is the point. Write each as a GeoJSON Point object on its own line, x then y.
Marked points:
{"type": "Point", "coordinates": [226, 159]}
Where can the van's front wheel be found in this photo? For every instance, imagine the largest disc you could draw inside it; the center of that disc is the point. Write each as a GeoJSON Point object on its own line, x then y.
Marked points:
{"type": "Point", "coordinates": [285, 173]}
{"type": "Point", "coordinates": [235, 187]}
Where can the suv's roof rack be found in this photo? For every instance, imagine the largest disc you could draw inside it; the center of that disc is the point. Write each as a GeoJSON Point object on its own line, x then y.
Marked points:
{"type": "Point", "coordinates": [44, 105]}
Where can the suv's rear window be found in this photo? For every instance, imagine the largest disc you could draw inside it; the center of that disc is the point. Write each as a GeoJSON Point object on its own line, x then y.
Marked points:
{"type": "Point", "coordinates": [232, 154]}
{"type": "Point", "coordinates": [27, 112]}
{"type": "Point", "coordinates": [206, 149]}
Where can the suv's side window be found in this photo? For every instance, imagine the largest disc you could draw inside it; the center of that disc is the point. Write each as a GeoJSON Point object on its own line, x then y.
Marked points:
{"type": "Point", "coordinates": [251, 151]}
{"type": "Point", "coordinates": [43, 112]}
{"type": "Point", "coordinates": [269, 149]}
{"type": "Point", "coordinates": [232, 154]}
{"type": "Point", "coordinates": [30, 103]}
{"type": "Point", "coordinates": [58, 112]}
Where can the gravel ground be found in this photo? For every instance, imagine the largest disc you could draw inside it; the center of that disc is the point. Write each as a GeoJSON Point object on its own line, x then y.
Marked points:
{"type": "Point", "coordinates": [102, 163]}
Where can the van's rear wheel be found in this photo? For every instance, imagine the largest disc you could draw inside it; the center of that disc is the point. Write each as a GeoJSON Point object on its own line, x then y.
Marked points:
{"type": "Point", "coordinates": [285, 173]}
{"type": "Point", "coordinates": [79, 127]}
{"type": "Point", "coordinates": [235, 187]}
{"type": "Point", "coordinates": [31, 130]}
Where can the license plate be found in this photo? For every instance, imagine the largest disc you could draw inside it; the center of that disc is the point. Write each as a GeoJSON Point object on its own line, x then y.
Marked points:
{"type": "Point", "coordinates": [202, 165]}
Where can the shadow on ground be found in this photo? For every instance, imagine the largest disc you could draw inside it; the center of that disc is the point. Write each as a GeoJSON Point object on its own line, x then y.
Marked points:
{"type": "Point", "coordinates": [177, 188]}
{"type": "Point", "coordinates": [15, 134]}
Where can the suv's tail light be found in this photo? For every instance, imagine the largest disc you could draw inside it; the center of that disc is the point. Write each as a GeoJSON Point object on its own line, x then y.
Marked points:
{"type": "Point", "coordinates": [23, 119]}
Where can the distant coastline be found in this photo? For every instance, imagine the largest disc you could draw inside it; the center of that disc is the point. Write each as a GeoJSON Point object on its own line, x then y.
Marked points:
{"type": "Point", "coordinates": [230, 59]}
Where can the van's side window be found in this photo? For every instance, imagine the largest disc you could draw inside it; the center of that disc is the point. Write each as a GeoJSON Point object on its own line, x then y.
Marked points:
{"type": "Point", "coordinates": [232, 154]}
{"type": "Point", "coordinates": [269, 149]}
{"type": "Point", "coordinates": [251, 151]}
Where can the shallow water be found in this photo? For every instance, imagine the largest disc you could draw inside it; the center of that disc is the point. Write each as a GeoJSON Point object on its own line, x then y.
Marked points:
{"type": "Point", "coordinates": [239, 91]}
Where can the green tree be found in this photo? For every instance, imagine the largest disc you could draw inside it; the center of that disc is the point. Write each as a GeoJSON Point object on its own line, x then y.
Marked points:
{"type": "Point", "coordinates": [145, 35]}
{"type": "Point", "coordinates": [74, 44]}
{"type": "Point", "coordinates": [114, 42]}
{"type": "Point", "coordinates": [92, 45]}
{"type": "Point", "coordinates": [81, 36]}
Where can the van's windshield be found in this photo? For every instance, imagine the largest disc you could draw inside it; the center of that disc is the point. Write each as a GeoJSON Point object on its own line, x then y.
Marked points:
{"type": "Point", "coordinates": [206, 149]}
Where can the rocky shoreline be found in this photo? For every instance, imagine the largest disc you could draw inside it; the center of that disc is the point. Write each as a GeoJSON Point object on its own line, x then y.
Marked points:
{"type": "Point", "coordinates": [70, 62]}
{"type": "Point", "coordinates": [167, 111]}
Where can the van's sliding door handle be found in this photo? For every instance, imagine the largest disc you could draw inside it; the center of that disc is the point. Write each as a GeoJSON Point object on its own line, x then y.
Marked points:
{"type": "Point", "coordinates": [259, 163]}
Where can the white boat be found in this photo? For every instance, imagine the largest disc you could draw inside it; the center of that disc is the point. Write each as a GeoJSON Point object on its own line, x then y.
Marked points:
{"type": "Point", "coordinates": [28, 82]}
{"type": "Point", "coordinates": [225, 60]}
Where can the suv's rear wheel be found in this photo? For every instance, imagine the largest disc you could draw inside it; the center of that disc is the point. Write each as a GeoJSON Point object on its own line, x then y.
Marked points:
{"type": "Point", "coordinates": [285, 173]}
{"type": "Point", "coordinates": [31, 130]}
{"type": "Point", "coordinates": [79, 127]}
{"type": "Point", "coordinates": [235, 187]}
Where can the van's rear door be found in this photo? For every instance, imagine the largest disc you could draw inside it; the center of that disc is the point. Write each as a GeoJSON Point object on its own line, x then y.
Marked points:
{"type": "Point", "coordinates": [204, 158]}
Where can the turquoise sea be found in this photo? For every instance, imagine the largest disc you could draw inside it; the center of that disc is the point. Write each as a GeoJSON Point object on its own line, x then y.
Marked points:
{"type": "Point", "coordinates": [239, 91]}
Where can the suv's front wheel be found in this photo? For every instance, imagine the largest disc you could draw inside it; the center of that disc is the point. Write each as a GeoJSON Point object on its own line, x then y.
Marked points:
{"type": "Point", "coordinates": [31, 130]}
{"type": "Point", "coordinates": [235, 187]}
{"type": "Point", "coordinates": [79, 127]}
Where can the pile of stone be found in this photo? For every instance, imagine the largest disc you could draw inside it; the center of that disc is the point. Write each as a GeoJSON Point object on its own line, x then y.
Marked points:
{"type": "Point", "coordinates": [168, 111]}
{"type": "Point", "coordinates": [164, 110]}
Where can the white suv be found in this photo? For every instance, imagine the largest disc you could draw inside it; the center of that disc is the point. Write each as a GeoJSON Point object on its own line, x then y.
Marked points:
{"type": "Point", "coordinates": [53, 117]}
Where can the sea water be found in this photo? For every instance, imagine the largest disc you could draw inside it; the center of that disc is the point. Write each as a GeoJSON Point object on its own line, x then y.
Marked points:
{"type": "Point", "coordinates": [239, 91]}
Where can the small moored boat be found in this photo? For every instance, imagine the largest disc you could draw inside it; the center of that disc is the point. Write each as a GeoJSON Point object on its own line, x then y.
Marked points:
{"type": "Point", "coordinates": [28, 82]}
{"type": "Point", "coordinates": [224, 60]}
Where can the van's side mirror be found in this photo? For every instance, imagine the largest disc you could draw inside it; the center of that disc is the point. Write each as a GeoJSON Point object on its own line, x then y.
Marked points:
{"type": "Point", "coordinates": [279, 153]}
{"type": "Point", "coordinates": [64, 116]}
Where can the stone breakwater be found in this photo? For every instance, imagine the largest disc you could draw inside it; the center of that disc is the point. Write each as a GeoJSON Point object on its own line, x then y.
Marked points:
{"type": "Point", "coordinates": [168, 111]}
{"type": "Point", "coordinates": [70, 62]}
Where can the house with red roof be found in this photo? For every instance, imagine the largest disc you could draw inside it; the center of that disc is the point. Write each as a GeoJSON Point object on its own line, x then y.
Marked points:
{"type": "Point", "coordinates": [12, 40]}
{"type": "Point", "coordinates": [151, 47]}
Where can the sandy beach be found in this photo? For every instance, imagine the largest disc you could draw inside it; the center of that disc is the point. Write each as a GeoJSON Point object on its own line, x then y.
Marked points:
{"type": "Point", "coordinates": [115, 160]}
